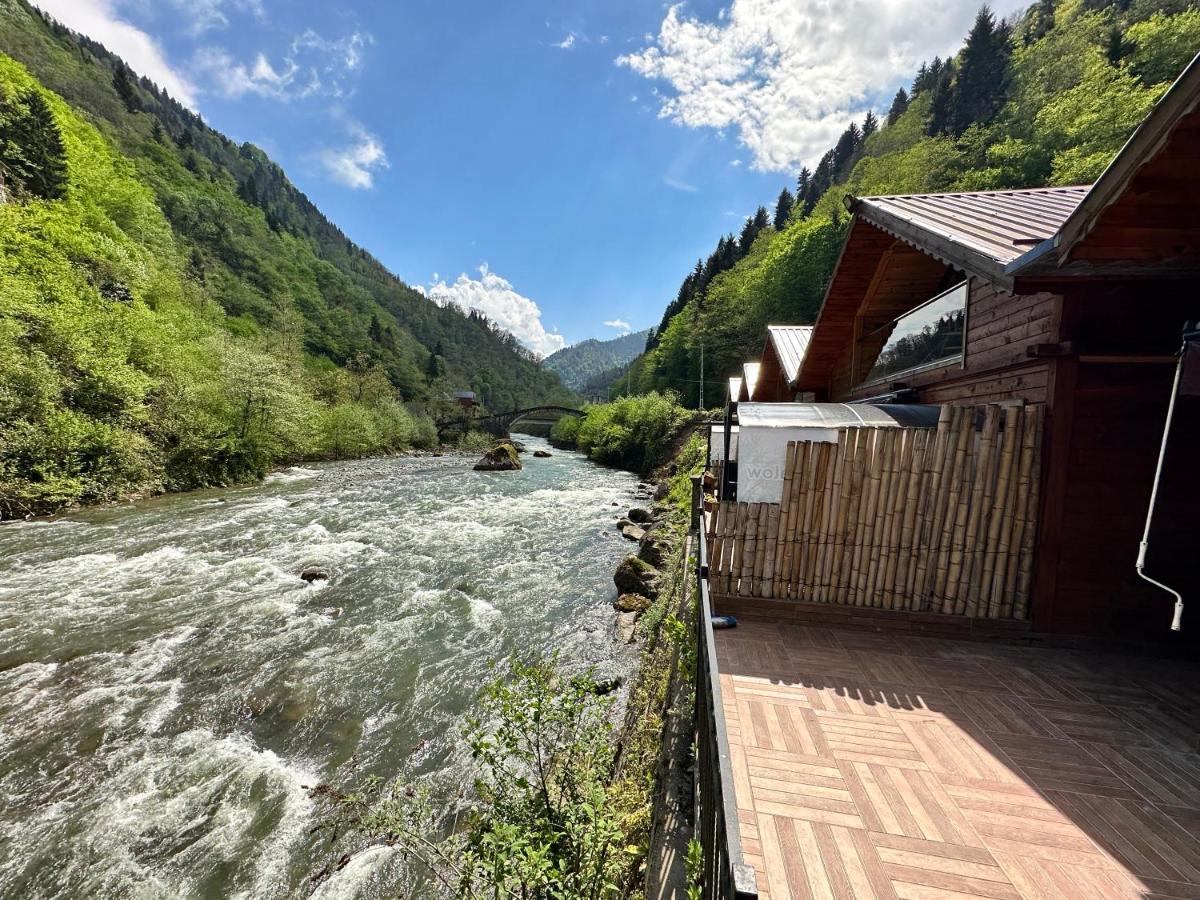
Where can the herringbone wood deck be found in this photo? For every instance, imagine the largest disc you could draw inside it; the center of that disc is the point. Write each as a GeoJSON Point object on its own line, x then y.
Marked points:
{"type": "Point", "coordinates": [878, 765]}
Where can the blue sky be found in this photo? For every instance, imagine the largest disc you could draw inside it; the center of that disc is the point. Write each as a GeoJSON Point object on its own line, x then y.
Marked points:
{"type": "Point", "coordinates": [559, 165]}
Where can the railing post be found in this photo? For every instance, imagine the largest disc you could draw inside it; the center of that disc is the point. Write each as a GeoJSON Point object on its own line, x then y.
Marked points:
{"type": "Point", "coordinates": [697, 501]}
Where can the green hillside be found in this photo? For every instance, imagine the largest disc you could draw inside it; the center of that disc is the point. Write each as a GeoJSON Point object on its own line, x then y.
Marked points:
{"type": "Point", "coordinates": [175, 313]}
{"type": "Point", "coordinates": [593, 361]}
{"type": "Point", "coordinates": [1045, 100]}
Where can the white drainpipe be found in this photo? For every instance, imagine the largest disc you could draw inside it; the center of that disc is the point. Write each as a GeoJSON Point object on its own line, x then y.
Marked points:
{"type": "Point", "coordinates": [1162, 452]}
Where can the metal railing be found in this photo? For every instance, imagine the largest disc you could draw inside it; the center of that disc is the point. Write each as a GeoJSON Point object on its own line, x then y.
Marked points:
{"type": "Point", "coordinates": [724, 875]}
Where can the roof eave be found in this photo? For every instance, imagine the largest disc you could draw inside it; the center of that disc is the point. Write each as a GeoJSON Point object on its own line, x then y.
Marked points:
{"type": "Point", "coordinates": [934, 243]}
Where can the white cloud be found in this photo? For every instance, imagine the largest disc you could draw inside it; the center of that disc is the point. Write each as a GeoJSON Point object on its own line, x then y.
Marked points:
{"type": "Point", "coordinates": [356, 163]}
{"type": "Point", "coordinates": [620, 324]}
{"type": "Point", "coordinates": [206, 15]}
{"type": "Point", "coordinates": [679, 184]}
{"type": "Point", "coordinates": [790, 75]}
{"type": "Point", "coordinates": [312, 66]}
{"type": "Point", "coordinates": [566, 43]}
{"type": "Point", "coordinates": [495, 298]}
{"type": "Point", "coordinates": [99, 20]}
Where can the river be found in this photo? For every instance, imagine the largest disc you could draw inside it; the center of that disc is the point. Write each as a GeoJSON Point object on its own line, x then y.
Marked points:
{"type": "Point", "coordinates": [170, 687]}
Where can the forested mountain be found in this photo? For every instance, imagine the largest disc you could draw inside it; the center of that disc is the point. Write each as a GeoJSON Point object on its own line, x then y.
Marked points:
{"type": "Point", "coordinates": [583, 362]}
{"type": "Point", "coordinates": [1045, 99]}
{"type": "Point", "coordinates": [174, 312]}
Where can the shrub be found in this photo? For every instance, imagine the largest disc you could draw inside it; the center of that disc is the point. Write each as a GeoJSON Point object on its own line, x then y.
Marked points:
{"type": "Point", "coordinates": [632, 432]}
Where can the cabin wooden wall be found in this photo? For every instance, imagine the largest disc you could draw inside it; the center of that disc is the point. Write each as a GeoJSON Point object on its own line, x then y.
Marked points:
{"type": "Point", "coordinates": [1105, 426]}
{"type": "Point", "coordinates": [995, 367]}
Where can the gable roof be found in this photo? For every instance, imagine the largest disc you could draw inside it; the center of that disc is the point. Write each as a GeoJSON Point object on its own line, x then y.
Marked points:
{"type": "Point", "coordinates": [750, 378]}
{"type": "Point", "coordinates": [979, 231]}
{"type": "Point", "coordinates": [735, 388]}
{"type": "Point", "coordinates": [790, 343]}
{"type": "Point", "coordinates": [1143, 209]}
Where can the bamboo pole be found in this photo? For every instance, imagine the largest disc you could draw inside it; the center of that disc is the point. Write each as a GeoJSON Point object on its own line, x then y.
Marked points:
{"type": "Point", "coordinates": [1000, 525]}
{"type": "Point", "coordinates": [767, 584]}
{"type": "Point", "coordinates": [760, 549]}
{"type": "Point", "coordinates": [784, 552]}
{"type": "Point", "coordinates": [937, 492]}
{"type": "Point", "coordinates": [863, 503]}
{"type": "Point", "coordinates": [1006, 573]}
{"type": "Point", "coordinates": [956, 509]}
{"type": "Point", "coordinates": [894, 532]}
{"type": "Point", "coordinates": [910, 524]}
{"type": "Point", "coordinates": [885, 442]}
{"type": "Point", "coordinates": [1029, 532]}
{"type": "Point", "coordinates": [826, 453]}
{"type": "Point", "coordinates": [968, 557]}
{"type": "Point", "coordinates": [741, 533]}
{"type": "Point", "coordinates": [837, 456]}
{"type": "Point", "coordinates": [750, 566]}
{"type": "Point", "coordinates": [842, 551]}
{"type": "Point", "coordinates": [831, 534]}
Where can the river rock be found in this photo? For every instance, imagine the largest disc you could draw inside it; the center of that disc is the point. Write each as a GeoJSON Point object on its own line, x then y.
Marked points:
{"type": "Point", "coordinates": [636, 576]}
{"type": "Point", "coordinates": [518, 446]}
{"type": "Point", "coordinates": [654, 548]}
{"type": "Point", "coordinates": [314, 573]}
{"type": "Point", "coordinates": [632, 532]}
{"type": "Point", "coordinates": [661, 491]}
{"type": "Point", "coordinates": [634, 603]}
{"type": "Point", "coordinates": [627, 627]}
{"type": "Point", "coordinates": [640, 515]}
{"type": "Point", "coordinates": [501, 458]}
{"type": "Point", "coordinates": [542, 454]}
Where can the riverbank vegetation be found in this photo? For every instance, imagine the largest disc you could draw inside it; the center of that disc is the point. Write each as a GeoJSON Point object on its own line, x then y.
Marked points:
{"type": "Point", "coordinates": [175, 314]}
{"type": "Point", "coordinates": [1046, 98]}
{"type": "Point", "coordinates": [634, 433]}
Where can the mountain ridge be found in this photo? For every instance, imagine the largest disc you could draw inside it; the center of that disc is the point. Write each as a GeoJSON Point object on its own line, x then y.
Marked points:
{"type": "Point", "coordinates": [581, 363]}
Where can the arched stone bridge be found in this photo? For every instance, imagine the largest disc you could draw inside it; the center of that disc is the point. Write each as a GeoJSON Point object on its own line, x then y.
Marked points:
{"type": "Point", "coordinates": [501, 423]}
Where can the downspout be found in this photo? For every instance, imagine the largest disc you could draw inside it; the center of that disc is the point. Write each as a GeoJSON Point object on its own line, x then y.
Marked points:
{"type": "Point", "coordinates": [1176, 620]}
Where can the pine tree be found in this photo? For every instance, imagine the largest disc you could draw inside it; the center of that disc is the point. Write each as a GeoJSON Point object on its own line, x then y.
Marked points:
{"type": "Point", "coordinates": [156, 132]}
{"type": "Point", "coordinates": [869, 126]}
{"type": "Point", "coordinates": [845, 152]}
{"type": "Point", "coordinates": [783, 209]}
{"type": "Point", "coordinates": [32, 156]}
{"type": "Point", "coordinates": [375, 330]}
{"type": "Point", "coordinates": [899, 105]}
{"type": "Point", "coordinates": [941, 106]}
{"type": "Point", "coordinates": [920, 82]}
{"type": "Point", "coordinates": [981, 85]}
{"type": "Point", "coordinates": [761, 218]}
{"type": "Point", "coordinates": [819, 183]}
{"type": "Point", "coordinates": [802, 182]}
{"type": "Point", "coordinates": [1115, 48]}
{"type": "Point", "coordinates": [125, 88]}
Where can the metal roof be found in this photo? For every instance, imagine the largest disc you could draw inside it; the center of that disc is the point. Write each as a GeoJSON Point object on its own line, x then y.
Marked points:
{"type": "Point", "coordinates": [998, 226]}
{"type": "Point", "coordinates": [751, 372]}
{"type": "Point", "coordinates": [791, 343]}
{"type": "Point", "coordinates": [735, 388]}
{"type": "Point", "coordinates": [837, 415]}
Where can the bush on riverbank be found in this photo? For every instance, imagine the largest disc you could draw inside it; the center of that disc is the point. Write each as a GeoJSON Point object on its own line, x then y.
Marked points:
{"type": "Point", "coordinates": [632, 433]}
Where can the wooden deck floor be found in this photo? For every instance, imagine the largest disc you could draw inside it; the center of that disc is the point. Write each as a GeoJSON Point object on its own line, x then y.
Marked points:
{"type": "Point", "coordinates": [877, 765]}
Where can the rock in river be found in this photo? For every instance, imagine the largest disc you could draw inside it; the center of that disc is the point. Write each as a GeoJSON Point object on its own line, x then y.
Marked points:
{"type": "Point", "coordinates": [501, 458]}
{"type": "Point", "coordinates": [638, 514]}
{"type": "Point", "coordinates": [314, 573]}
{"type": "Point", "coordinates": [633, 532]}
{"type": "Point", "coordinates": [635, 576]}
{"type": "Point", "coordinates": [542, 454]}
{"type": "Point", "coordinates": [634, 603]}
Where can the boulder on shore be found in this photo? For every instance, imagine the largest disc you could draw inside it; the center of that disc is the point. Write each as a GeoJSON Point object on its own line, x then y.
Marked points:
{"type": "Point", "coordinates": [636, 576]}
{"type": "Point", "coordinates": [314, 573]}
{"type": "Point", "coordinates": [542, 454]}
{"type": "Point", "coordinates": [654, 548]}
{"type": "Point", "coordinates": [634, 603]}
{"type": "Point", "coordinates": [501, 458]}
{"type": "Point", "coordinates": [640, 515]}
{"type": "Point", "coordinates": [632, 532]}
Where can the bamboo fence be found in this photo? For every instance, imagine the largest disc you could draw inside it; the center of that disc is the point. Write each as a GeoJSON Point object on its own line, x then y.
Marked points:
{"type": "Point", "coordinates": [896, 518]}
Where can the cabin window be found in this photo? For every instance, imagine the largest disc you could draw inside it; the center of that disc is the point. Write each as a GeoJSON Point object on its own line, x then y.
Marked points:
{"type": "Point", "coordinates": [927, 337]}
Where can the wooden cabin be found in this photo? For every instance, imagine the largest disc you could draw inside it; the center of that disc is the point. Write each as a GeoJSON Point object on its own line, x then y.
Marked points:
{"type": "Point", "coordinates": [1069, 298]}
{"type": "Point", "coordinates": [780, 363]}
